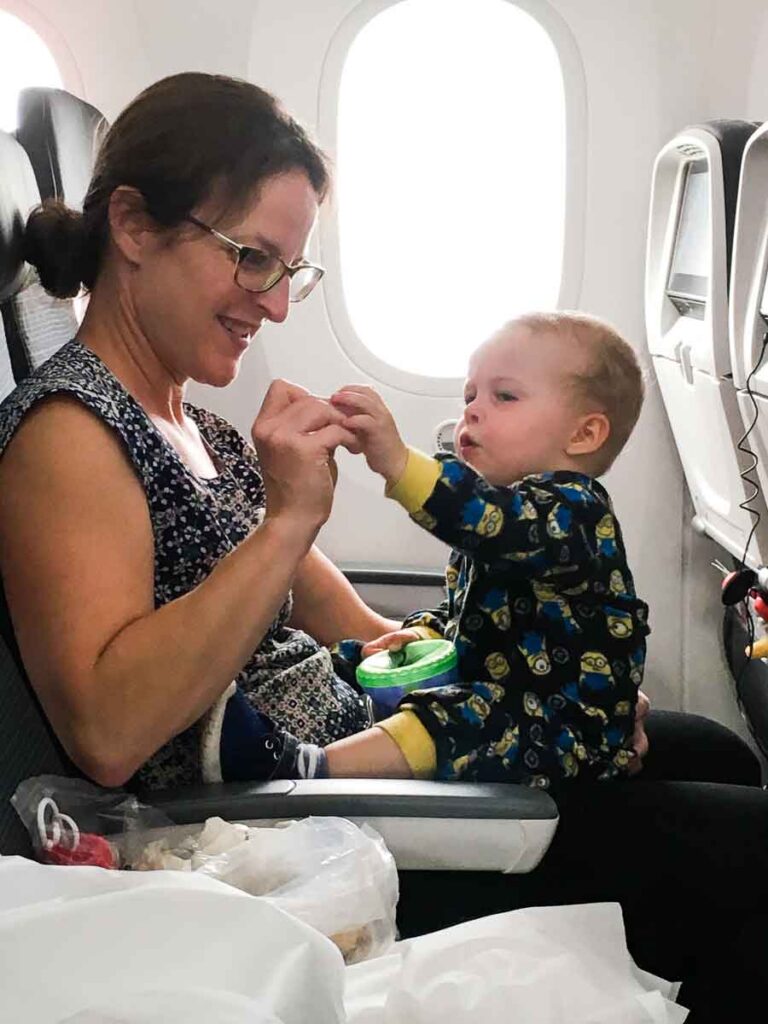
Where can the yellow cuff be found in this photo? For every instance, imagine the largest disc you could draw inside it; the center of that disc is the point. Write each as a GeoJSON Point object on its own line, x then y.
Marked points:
{"type": "Point", "coordinates": [426, 633]}
{"type": "Point", "coordinates": [417, 482]}
{"type": "Point", "coordinates": [416, 745]}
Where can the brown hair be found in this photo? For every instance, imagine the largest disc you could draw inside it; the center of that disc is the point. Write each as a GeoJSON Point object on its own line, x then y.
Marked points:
{"type": "Point", "coordinates": [180, 141]}
{"type": "Point", "coordinates": [612, 379]}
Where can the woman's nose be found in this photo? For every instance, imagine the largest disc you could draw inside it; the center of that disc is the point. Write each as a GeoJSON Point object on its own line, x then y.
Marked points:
{"type": "Point", "coordinates": [275, 302]}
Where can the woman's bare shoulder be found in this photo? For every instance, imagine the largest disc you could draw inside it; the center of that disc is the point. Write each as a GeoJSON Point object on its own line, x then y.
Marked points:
{"type": "Point", "coordinates": [59, 436]}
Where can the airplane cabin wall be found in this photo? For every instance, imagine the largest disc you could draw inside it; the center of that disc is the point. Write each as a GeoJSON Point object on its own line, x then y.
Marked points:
{"type": "Point", "coordinates": [650, 68]}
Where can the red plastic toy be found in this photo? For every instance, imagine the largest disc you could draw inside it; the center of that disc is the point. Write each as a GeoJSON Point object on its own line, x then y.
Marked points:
{"type": "Point", "coordinates": [62, 842]}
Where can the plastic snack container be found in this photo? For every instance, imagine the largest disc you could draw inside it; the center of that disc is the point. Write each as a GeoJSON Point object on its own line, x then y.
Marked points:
{"type": "Point", "coordinates": [388, 676]}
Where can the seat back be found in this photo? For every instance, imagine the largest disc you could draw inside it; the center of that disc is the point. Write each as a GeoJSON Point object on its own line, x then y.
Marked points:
{"type": "Point", "coordinates": [35, 323]}
{"type": "Point", "coordinates": [27, 743]}
{"type": "Point", "coordinates": [26, 740]}
{"type": "Point", "coordinates": [7, 383]}
{"type": "Point", "coordinates": [61, 135]}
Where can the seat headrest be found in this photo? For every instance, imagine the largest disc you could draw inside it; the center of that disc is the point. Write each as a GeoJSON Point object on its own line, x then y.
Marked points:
{"type": "Point", "coordinates": [62, 135]}
{"type": "Point", "coordinates": [18, 196]}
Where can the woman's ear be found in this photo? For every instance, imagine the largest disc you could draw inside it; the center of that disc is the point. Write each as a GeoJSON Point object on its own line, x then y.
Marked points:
{"type": "Point", "coordinates": [131, 227]}
{"type": "Point", "coordinates": [591, 432]}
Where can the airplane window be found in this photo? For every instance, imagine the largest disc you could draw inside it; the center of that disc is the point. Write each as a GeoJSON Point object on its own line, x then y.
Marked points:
{"type": "Point", "coordinates": [450, 166]}
{"type": "Point", "coordinates": [25, 60]}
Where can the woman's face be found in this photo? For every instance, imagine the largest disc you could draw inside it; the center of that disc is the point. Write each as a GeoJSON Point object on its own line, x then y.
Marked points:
{"type": "Point", "coordinates": [198, 321]}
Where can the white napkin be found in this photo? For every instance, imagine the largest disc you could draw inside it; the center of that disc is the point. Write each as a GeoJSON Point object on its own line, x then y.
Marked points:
{"type": "Point", "coordinates": [543, 965]}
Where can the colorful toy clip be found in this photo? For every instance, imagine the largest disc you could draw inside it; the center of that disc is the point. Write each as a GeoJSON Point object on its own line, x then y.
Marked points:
{"type": "Point", "coordinates": [62, 842]}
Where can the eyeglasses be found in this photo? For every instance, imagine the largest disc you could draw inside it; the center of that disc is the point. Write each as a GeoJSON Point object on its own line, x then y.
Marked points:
{"type": "Point", "coordinates": [258, 271]}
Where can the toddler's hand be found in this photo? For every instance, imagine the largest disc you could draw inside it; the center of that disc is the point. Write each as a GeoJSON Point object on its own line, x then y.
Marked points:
{"type": "Point", "coordinates": [390, 641]}
{"type": "Point", "coordinates": [371, 422]}
{"type": "Point", "coordinates": [639, 739]}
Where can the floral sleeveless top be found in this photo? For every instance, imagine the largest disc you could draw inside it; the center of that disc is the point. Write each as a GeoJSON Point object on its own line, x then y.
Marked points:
{"type": "Point", "coordinates": [195, 522]}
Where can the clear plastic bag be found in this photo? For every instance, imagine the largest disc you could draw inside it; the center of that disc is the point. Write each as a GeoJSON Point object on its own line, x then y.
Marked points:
{"type": "Point", "coordinates": [71, 821]}
{"type": "Point", "coordinates": [328, 872]}
{"type": "Point", "coordinates": [335, 876]}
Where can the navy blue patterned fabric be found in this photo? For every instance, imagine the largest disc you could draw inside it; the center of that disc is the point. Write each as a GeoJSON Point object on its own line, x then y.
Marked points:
{"type": "Point", "coordinates": [196, 522]}
{"type": "Point", "coordinates": [550, 634]}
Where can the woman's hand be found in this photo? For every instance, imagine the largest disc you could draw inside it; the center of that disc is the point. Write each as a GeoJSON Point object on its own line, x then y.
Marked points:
{"type": "Point", "coordinates": [295, 435]}
{"type": "Point", "coordinates": [390, 641]}
{"type": "Point", "coordinates": [639, 737]}
{"type": "Point", "coordinates": [371, 423]}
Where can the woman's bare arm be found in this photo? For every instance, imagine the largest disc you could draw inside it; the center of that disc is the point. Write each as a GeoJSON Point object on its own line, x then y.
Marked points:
{"type": "Point", "coordinates": [116, 677]}
{"type": "Point", "coordinates": [326, 605]}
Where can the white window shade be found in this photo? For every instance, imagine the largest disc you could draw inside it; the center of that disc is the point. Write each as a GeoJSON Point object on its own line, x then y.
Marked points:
{"type": "Point", "coordinates": [451, 178]}
{"type": "Point", "coordinates": [25, 61]}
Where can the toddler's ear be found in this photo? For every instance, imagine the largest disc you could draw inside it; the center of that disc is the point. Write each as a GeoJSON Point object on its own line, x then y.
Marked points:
{"type": "Point", "coordinates": [590, 434]}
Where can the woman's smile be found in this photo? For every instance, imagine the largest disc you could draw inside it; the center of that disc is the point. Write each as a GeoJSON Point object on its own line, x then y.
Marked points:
{"type": "Point", "coordinates": [239, 332]}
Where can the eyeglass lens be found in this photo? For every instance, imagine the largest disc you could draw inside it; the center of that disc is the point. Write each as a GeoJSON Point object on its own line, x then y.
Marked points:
{"type": "Point", "coordinates": [258, 271]}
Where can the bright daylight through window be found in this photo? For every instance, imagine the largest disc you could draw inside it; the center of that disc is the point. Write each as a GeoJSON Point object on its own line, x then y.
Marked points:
{"type": "Point", "coordinates": [450, 178]}
{"type": "Point", "coordinates": [25, 60]}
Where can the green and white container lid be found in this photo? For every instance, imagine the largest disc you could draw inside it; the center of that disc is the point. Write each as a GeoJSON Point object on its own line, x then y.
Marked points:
{"type": "Point", "coordinates": [413, 664]}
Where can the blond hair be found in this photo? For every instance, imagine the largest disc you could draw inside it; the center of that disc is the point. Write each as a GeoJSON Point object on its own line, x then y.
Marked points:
{"type": "Point", "coordinates": [611, 381]}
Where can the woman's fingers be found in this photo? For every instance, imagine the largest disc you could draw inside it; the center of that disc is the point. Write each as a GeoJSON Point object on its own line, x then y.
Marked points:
{"type": "Point", "coordinates": [330, 437]}
{"type": "Point", "coordinates": [302, 416]}
{"type": "Point", "coordinates": [280, 394]}
{"type": "Point", "coordinates": [306, 415]}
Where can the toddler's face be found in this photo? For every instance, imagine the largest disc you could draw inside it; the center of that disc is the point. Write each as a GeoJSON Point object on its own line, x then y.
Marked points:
{"type": "Point", "coordinates": [519, 414]}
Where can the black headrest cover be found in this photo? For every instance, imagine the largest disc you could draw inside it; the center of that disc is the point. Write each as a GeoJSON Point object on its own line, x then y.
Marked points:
{"type": "Point", "coordinates": [61, 134]}
{"type": "Point", "coordinates": [18, 196]}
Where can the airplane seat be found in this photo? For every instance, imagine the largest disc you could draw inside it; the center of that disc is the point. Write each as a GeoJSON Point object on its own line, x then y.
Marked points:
{"type": "Point", "coordinates": [749, 297]}
{"type": "Point", "coordinates": [748, 328]}
{"type": "Point", "coordinates": [26, 741]}
{"type": "Point", "coordinates": [7, 383]}
{"type": "Point", "coordinates": [688, 264]}
{"type": "Point", "coordinates": [61, 135]}
{"type": "Point", "coordinates": [36, 324]}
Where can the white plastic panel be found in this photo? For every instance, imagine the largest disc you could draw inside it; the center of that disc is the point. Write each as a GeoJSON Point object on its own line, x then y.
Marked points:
{"type": "Point", "coordinates": [750, 266]}
{"type": "Point", "coordinates": [706, 422]}
{"type": "Point", "coordinates": [464, 844]}
{"type": "Point", "coordinates": [708, 337]}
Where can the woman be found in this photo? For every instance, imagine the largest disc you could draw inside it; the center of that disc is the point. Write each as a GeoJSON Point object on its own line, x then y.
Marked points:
{"type": "Point", "coordinates": [168, 568]}
{"type": "Point", "coordinates": [157, 502]}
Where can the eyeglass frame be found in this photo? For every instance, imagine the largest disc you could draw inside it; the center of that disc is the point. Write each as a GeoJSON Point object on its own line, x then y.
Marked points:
{"type": "Point", "coordinates": [243, 251]}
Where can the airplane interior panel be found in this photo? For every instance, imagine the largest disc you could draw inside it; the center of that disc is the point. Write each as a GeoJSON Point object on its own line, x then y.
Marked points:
{"type": "Point", "coordinates": [689, 269]}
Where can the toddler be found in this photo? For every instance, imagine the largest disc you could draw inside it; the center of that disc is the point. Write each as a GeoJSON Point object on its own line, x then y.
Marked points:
{"type": "Point", "coordinates": [540, 600]}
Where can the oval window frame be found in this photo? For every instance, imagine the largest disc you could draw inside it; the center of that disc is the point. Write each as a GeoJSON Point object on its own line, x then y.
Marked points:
{"type": "Point", "coordinates": [574, 85]}
{"type": "Point", "coordinates": [53, 39]}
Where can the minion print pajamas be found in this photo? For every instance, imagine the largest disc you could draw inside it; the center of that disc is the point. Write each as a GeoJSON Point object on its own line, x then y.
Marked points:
{"type": "Point", "coordinates": [549, 632]}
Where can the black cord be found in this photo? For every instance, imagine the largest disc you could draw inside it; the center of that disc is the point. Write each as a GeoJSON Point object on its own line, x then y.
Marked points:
{"type": "Point", "coordinates": [746, 450]}
{"type": "Point", "coordinates": [755, 513]}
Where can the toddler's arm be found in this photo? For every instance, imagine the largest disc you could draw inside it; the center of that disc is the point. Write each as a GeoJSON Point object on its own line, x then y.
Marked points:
{"type": "Point", "coordinates": [532, 527]}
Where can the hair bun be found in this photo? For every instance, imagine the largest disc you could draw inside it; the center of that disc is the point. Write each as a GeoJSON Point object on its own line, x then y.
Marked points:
{"type": "Point", "coordinates": [54, 243]}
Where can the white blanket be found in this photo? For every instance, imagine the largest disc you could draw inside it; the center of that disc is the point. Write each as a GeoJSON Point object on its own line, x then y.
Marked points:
{"type": "Point", "coordinates": [88, 946]}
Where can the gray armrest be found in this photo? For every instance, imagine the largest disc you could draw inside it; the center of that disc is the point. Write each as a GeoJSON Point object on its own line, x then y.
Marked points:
{"type": "Point", "coordinates": [427, 825]}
